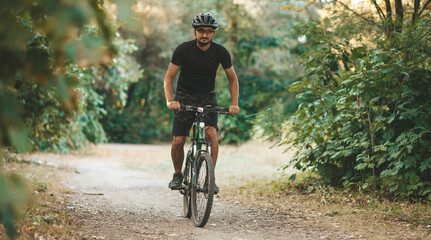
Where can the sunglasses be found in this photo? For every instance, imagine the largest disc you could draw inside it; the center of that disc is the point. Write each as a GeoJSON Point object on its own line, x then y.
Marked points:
{"type": "Point", "coordinates": [203, 31]}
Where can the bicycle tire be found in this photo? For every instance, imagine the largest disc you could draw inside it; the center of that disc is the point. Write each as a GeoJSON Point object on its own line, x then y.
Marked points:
{"type": "Point", "coordinates": [203, 194]}
{"type": "Point", "coordinates": [187, 211]}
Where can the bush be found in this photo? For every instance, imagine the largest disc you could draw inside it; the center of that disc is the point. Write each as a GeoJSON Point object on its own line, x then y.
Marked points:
{"type": "Point", "coordinates": [365, 115]}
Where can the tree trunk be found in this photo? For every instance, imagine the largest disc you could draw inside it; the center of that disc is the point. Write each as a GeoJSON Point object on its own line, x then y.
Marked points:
{"type": "Point", "coordinates": [399, 11]}
{"type": "Point", "coordinates": [388, 9]}
{"type": "Point", "coordinates": [389, 17]}
{"type": "Point", "coordinates": [415, 9]}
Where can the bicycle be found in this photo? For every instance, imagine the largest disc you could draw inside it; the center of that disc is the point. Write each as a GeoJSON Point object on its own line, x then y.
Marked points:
{"type": "Point", "coordinates": [198, 172]}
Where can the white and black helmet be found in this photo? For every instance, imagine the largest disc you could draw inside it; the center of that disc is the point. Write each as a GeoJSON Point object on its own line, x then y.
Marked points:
{"type": "Point", "coordinates": [204, 20]}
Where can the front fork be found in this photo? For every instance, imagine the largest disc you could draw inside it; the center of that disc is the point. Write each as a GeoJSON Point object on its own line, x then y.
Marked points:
{"type": "Point", "coordinates": [196, 149]}
{"type": "Point", "coordinates": [194, 153]}
{"type": "Point", "coordinates": [195, 166]}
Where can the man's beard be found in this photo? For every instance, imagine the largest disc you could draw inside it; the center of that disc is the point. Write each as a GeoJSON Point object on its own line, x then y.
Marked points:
{"type": "Point", "coordinates": [202, 44]}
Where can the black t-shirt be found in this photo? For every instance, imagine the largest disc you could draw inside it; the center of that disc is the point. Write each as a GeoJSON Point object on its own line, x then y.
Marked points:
{"type": "Point", "coordinates": [199, 68]}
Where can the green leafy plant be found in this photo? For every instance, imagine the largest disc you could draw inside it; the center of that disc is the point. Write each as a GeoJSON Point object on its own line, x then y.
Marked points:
{"type": "Point", "coordinates": [38, 98]}
{"type": "Point", "coordinates": [13, 197]}
{"type": "Point", "coordinates": [365, 115]}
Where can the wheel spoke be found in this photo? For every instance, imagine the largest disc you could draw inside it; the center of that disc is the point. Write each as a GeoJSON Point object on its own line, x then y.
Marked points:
{"type": "Point", "coordinates": [203, 192]}
{"type": "Point", "coordinates": [201, 185]}
{"type": "Point", "coordinates": [187, 212]}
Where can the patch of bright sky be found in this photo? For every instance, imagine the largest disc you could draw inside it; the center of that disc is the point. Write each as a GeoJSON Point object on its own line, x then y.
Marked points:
{"type": "Point", "coordinates": [358, 2]}
{"type": "Point", "coordinates": [251, 6]}
{"type": "Point", "coordinates": [353, 2]}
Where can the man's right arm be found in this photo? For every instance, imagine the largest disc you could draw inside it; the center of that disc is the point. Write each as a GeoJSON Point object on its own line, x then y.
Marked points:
{"type": "Point", "coordinates": [168, 83]}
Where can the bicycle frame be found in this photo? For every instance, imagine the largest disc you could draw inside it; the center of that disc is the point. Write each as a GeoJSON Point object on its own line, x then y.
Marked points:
{"type": "Point", "coordinates": [198, 190]}
{"type": "Point", "coordinates": [198, 138]}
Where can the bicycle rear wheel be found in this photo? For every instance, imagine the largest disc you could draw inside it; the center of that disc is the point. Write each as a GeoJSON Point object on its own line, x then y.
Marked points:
{"type": "Point", "coordinates": [187, 211]}
{"type": "Point", "coordinates": [203, 193]}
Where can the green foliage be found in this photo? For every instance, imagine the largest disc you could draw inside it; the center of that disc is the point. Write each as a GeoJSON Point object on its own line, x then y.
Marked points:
{"type": "Point", "coordinates": [365, 115]}
{"type": "Point", "coordinates": [40, 102]}
{"type": "Point", "coordinates": [125, 95]}
{"type": "Point", "coordinates": [257, 36]}
{"type": "Point", "coordinates": [13, 196]}
{"type": "Point", "coordinates": [57, 123]}
{"type": "Point", "coordinates": [261, 45]}
{"type": "Point", "coordinates": [38, 97]}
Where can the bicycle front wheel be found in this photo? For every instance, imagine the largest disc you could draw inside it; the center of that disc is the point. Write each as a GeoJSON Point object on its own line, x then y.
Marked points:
{"type": "Point", "coordinates": [187, 212]}
{"type": "Point", "coordinates": [203, 192]}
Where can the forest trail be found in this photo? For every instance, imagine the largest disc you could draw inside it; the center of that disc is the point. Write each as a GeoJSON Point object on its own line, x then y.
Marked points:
{"type": "Point", "coordinates": [120, 192]}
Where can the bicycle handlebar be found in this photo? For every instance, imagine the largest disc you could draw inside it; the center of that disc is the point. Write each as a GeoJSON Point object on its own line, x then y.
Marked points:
{"type": "Point", "coordinates": [205, 109]}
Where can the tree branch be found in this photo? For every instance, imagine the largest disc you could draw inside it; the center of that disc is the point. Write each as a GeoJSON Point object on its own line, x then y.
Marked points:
{"type": "Point", "coordinates": [379, 10]}
{"type": "Point", "coordinates": [420, 38]}
{"type": "Point", "coordinates": [424, 7]}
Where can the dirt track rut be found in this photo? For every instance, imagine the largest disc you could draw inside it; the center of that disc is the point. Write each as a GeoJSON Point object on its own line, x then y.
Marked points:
{"type": "Point", "coordinates": [110, 200]}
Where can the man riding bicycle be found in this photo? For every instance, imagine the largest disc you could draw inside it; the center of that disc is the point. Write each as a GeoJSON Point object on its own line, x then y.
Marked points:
{"type": "Point", "coordinates": [198, 60]}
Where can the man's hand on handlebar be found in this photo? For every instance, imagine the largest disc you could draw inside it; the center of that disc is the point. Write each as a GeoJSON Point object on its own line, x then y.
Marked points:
{"type": "Point", "coordinates": [233, 109]}
{"type": "Point", "coordinates": [174, 105]}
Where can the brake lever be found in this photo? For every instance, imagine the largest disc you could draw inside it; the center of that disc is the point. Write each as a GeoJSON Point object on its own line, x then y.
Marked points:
{"type": "Point", "coordinates": [226, 112]}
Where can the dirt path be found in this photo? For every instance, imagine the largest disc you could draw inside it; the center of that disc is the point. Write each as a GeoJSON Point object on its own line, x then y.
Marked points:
{"type": "Point", "coordinates": [120, 192]}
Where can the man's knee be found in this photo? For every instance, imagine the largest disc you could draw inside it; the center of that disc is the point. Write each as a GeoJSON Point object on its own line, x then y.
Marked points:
{"type": "Point", "coordinates": [179, 141]}
{"type": "Point", "coordinates": [211, 133]}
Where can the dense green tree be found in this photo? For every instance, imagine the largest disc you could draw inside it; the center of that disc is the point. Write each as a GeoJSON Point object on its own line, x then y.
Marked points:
{"type": "Point", "coordinates": [40, 40]}
{"type": "Point", "coordinates": [46, 101]}
{"type": "Point", "coordinates": [258, 37]}
{"type": "Point", "coordinates": [365, 114]}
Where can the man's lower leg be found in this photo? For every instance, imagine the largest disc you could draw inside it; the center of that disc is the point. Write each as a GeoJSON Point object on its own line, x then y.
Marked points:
{"type": "Point", "coordinates": [214, 151]}
{"type": "Point", "coordinates": [177, 153]}
{"type": "Point", "coordinates": [211, 135]}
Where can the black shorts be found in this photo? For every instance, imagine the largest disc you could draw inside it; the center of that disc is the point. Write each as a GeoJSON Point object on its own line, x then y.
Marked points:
{"type": "Point", "coordinates": [183, 120]}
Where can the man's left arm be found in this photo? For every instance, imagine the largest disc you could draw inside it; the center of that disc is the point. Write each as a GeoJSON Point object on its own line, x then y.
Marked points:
{"type": "Point", "coordinates": [234, 90]}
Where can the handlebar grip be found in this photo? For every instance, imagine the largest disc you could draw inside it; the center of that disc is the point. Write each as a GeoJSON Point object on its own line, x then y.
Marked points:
{"type": "Point", "coordinates": [187, 108]}
{"type": "Point", "coordinates": [225, 110]}
{"type": "Point", "coordinates": [222, 110]}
